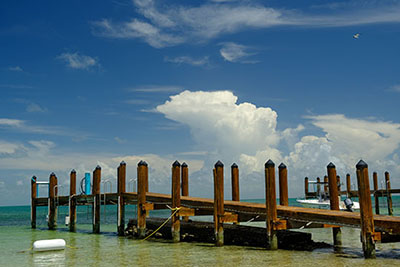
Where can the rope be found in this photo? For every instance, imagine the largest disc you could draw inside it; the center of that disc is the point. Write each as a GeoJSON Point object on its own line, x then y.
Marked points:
{"type": "Point", "coordinates": [164, 223]}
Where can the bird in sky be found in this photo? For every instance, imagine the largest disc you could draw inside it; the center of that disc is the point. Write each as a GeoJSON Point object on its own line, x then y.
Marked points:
{"type": "Point", "coordinates": [356, 36]}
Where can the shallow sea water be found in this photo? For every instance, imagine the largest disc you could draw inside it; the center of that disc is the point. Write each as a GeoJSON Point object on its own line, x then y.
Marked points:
{"type": "Point", "coordinates": [107, 249]}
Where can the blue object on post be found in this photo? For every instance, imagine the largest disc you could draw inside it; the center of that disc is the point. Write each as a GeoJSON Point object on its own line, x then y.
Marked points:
{"type": "Point", "coordinates": [87, 183]}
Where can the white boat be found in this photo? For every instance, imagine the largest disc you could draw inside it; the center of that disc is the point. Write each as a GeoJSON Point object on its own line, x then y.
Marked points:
{"type": "Point", "coordinates": [325, 204]}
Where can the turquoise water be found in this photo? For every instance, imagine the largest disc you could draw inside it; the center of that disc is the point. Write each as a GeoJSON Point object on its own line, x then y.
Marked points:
{"type": "Point", "coordinates": [16, 237]}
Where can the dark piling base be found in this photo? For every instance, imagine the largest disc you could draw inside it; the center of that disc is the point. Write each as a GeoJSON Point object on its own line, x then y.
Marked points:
{"type": "Point", "coordinates": [240, 235]}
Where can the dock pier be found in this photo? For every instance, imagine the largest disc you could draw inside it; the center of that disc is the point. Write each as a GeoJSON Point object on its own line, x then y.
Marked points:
{"type": "Point", "coordinates": [279, 218]}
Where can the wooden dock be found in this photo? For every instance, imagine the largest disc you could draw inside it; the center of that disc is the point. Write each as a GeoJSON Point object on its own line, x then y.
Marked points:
{"type": "Point", "coordinates": [374, 228]}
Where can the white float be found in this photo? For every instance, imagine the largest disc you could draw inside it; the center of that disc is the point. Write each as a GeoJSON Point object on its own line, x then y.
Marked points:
{"type": "Point", "coordinates": [50, 244]}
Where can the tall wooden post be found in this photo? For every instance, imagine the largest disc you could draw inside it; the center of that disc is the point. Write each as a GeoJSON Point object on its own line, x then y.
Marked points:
{"type": "Point", "coordinates": [388, 194]}
{"type": "Point", "coordinates": [376, 197]}
{"type": "Point", "coordinates": [338, 184]}
{"type": "Point", "coordinates": [283, 185]}
{"type": "Point", "coordinates": [326, 185]}
{"type": "Point", "coordinates": [348, 185]}
{"type": "Point", "coordinates": [235, 182]}
{"type": "Point", "coordinates": [185, 184]}
{"type": "Point", "coordinates": [53, 190]}
{"type": "Point", "coordinates": [96, 198]}
{"type": "Point", "coordinates": [142, 174]}
{"type": "Point", "coordinates": [367, 219]}
{"type": "Point", "coordinates": [72, 201]}
{"type": "Point", "coordinates": [121, 187]}
{"type": "Point", "coordinates": [33, 201]}
{"type": "Point", "coordinates": [176, 201]}
{"type": "Point", "coordinates": [270, 205]}
{"type": "Point", "coordinates": [219, 203]}
{"type": "Point", "coordinates": [306, 187]}
{"type": "Point", "coordinates": [334, 202]}
{"type": "Point", "coordinates": [318, 187]}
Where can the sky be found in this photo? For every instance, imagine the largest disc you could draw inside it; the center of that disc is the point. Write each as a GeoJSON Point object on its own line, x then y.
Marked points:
{"type": "Point", "coordinates": [87, 83]}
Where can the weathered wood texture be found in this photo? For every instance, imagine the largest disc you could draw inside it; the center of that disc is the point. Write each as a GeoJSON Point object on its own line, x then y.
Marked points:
{"type": "Point", "coordinates": [235, 182]}
{"type": "Point", "coordinates": [388, 194]}
{"type": "Point", "coordinates": [334, 201]}
{"type": "Point", "coordinates": [33, 201]}
{"type": "Point", "coordinates": [96, 199]}
{"type": "Point", "coordinates": [53, 191]}
{"type": "Point", "coordinates": [270, 205]}
{"type": "Point", "coordinates": [367, 219]}
{"type": "Point", "coordinates": [239, 235]}
{"type": "Point", "coordinates": [185, 183]}
{"type": "Point", "coordinates": [376, 197]}
{"type": "Point", "coordinates": [142, 174]}
{"type": "Point", "coordinates": [121, 188]}
{"type": "Point", "coordinates": [72, 201]}
{"type": "Point", "coordinates": [219, 203]}
{"type": "Point", "coordinates": [176, 200]}
{"type": "Point", "coordinates": [283, 185]}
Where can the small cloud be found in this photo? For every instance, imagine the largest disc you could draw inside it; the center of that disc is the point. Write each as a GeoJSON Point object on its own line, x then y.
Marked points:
{"type": "Point", "coordinates": [119, 140]}
{"type": "Point", "coordinates": [33, 107]}
{"type": "Point", "coordinates": [16, 68]}
{"type": "Point", "coordinates": [157, 89]}
{"type": "Point", "coordinates": [15, 86]}
{"type": "Point", "coordinates": [137, 102]}
{"type": "Point", "coordinates": [204, 61]}
{"type": "Point", "coordinates": [11, 122]}
{"type": "Point", "coordinates": [233, 52]}
{"type": "Point", "coordinates": [394, 88]}
{"type": "Point", "coordinates": [79, 61]}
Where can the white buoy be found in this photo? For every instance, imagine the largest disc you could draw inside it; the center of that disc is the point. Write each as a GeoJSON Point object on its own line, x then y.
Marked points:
{"type": "Point", "coordinates": [50, 244]}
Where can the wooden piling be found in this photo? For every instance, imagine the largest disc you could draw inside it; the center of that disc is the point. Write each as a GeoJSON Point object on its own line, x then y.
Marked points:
{"type": "Point", "coordinates": [348, 185]}
{"type": "Point", "coordinates": [338, 184]}
{"type": "Point", "coordinates": [318, 187]}
{"type": "Point", "coordinates": [306, 187]}
{"type": "Point", "coordinates": [53, 190]}
{"type": "Point", "coordinates": [96, 199]}
{"type": "Point", "coordinates": [33, 201]}
{"type": "Point", "coordinates": [376, 197]}
{"type": "Point", "coordinates": [334, 202]}
{"type": "Point", "coordinates": [185, 184]}
{"type": "Point", "coordinates": [72, 201]}
{"type": "Point", "coordinates": [235, 182]}
{"type": "Point", "coordinates": [176, 201]}
{"type": "Point", "coordinates": [367, 219]}
{"type": "Point", "coordinates": [270, 205]}
{"type": "Point", "coordinates": [388, 194]}
{"type": "Point", "coordinates": [326, 185]}
{"type": "Point", "coordinates": [283, 185]}
{"type": "Point", "coordinates": [142, 174]}
{"type": "Point", "coordinates": [121, 189]}
{"type": "Point", "coordinates": [219, 204]}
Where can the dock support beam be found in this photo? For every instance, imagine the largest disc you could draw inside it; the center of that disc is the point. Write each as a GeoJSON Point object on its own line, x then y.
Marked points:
{"type": "Point", "coordinates": [306, 187]}
{"type": "Point", "coordinates": [185, 184]}
{"type": "Point", "coordinates": [176, 201]}
{"type": "Point", "coordinates": [334, 202]}
{"type": "Point", "coordinates": [326, 191]}
{"type": "Point", "coordinates": [235, 182]}
{"type": "Point", "coordinates": [348, 185]}
{"type": "Point", "coordinates": [142, 174]}
{"type": "Point", "coordinates": [96, 199]}
{"type": "Point", "coordinates": [121, 187]}
{"type": "Point", "coordinates": [270, 205]}
{"type": "Point", "coordinates": [367, 219]}
{"type": "Point", "coordinates": [219, 203]}
{"type": "Point", "coordinates": [33, 201]}
{"type": "Point", "coordinates": [53, 190]}
{"type": "Point", "coordinates": [388, 194]}
{"type": "Point", "coordinates": [72, 201]}
{"type": "Point", "coordinates": [376, 197]}
{"type": "Point", "coordinates": [283, 185]}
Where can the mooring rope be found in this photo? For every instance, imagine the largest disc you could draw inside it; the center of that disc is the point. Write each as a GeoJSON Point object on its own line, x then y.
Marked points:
{"type": "Point", "coordinates": [164, 223]}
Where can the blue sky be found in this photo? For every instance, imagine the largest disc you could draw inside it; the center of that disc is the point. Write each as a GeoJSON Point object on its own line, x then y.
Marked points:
{"type": "Point", "coordinates": [87, 82]}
